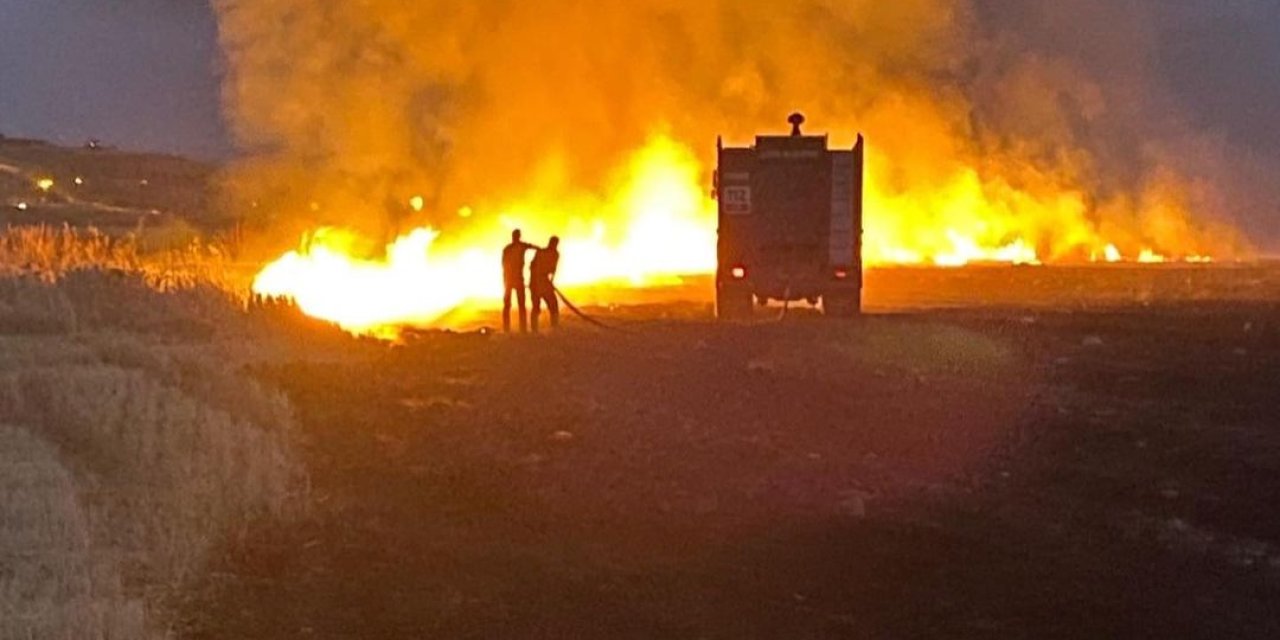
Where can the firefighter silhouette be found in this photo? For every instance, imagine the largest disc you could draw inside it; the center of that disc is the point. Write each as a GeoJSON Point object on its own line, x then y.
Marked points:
{"type": "Point", "coordinates": [542, 276]}
{"type": "Point", "coordinates": [513, 280]}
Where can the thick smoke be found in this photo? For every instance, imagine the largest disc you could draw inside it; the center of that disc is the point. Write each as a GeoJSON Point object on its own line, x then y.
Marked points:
{"type": "Point", "coordinates": [990, 120]}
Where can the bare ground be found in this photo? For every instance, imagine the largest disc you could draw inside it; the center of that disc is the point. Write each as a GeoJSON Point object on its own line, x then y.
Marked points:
{"type": "Point", "coordinates": [986, 473]}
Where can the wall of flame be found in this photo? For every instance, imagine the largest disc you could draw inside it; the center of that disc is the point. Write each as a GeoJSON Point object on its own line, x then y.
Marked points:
{"type": "Point", "coordinates": [403, 141]}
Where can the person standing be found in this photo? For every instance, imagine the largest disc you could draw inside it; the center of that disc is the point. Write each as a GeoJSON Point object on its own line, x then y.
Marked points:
{"type": "Point", "coordinates": [513, 280]}
{"type": "Point", "coordinates": [542, 278]}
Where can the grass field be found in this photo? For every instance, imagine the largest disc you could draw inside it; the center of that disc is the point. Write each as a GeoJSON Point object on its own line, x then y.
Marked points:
{"type": "Point", "coordinates": [995, 452]}
{"type": "Point", "coordinates": [132, 446]}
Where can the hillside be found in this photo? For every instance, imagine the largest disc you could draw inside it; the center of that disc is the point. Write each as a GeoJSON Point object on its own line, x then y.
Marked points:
{"type": "Point", "coordinates": [96, 185]}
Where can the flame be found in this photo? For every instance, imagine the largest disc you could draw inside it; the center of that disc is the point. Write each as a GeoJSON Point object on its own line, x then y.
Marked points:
{"type": "Point", "coordinates": [966, 250]}
{"type": "Point", "coordinates": [1147, 256]}
{"type": "Point", "coordinates": [658, 225]}
{"type": "Point", "coordinates": [458, 121]}
{"type": "Point", "coordinates": [407, 287]}
{"type": "Point", "coordinates": [1111, 254]}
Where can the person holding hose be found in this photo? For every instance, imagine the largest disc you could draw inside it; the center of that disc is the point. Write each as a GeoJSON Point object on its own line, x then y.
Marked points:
{"type": "Point", "coordinates": [542, 278]}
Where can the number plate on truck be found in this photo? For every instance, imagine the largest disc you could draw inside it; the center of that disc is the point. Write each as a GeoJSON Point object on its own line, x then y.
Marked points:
{"type": "Point", "coordinates": [737, 201]}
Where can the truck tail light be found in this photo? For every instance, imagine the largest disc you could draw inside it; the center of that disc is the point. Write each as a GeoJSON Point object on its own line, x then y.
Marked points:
{"type": "Point", "coordinates": [739, 273]}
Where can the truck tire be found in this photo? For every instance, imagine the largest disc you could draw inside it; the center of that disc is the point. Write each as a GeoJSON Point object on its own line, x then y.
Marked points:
{"type": "Point", "coordinates": [841, 304]}
{"type": "Point", "coordinates": [734, 303]}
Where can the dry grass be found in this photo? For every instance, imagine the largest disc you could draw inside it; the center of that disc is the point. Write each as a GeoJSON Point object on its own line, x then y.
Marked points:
{"type": "Point", "coordinates": [170, 472]}
{"type": "Point", "coordinates": [49, 252]}
{"type": "Point", "coordinates": [142, 446]}
{"type": "Point", "coordinates": [54, 583]}
{"type": "Point", "coordinates": [107, 282]}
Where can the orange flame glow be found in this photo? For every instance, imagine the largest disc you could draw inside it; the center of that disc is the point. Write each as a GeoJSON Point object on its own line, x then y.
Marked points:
{"type": "Point", "coordinates": [659, 225]}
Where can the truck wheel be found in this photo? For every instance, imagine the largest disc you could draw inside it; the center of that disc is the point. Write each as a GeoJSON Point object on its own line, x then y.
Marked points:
{"type": "Point", "coordinates": [841, 304]}
{"type": "Point", "coordinates": [734, 303]}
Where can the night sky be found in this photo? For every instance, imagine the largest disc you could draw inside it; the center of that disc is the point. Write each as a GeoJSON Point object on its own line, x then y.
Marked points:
{"type": "Point", "coordinates": [143, 74]}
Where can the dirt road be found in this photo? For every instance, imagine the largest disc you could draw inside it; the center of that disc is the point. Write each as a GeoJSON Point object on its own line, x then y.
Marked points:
{"type": "Point", "coordinates": [982, 474]}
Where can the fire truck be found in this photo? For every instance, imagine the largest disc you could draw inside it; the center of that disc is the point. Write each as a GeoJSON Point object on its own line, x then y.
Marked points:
{"type": "Point", "coordinates": [790, 215]}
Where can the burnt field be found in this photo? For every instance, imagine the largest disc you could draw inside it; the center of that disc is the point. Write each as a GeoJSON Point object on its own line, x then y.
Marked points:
{"type": "Point", "coordinates": [890, 289]}
{"type": "Point", "coordinates": [1025, 453]}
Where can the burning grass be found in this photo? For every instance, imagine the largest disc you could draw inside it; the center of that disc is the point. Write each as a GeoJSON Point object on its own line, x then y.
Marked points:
{"type": "Point", "coordinates": [963, 167]}
{"type": "Point", "coordinates": [654, 225]}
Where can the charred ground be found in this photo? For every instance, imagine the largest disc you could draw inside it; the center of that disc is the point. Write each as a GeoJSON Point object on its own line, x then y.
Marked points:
{"type": "Point", "coordinates": [1022, 471]}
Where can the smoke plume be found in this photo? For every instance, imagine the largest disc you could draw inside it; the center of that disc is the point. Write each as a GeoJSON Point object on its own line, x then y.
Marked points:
{"type": "Point", "coordinates": [993, 125]}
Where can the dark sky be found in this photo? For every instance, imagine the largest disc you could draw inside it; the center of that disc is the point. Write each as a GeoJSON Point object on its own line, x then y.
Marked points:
{"type": "Point", "coordinates": [1222, 59]}
{"type": "Point", "coordinates": [140, 74]}
{"type": "Point", "coordinates": [143, 73]}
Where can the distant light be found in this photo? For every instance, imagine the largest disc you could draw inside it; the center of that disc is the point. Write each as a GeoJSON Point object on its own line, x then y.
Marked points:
{"type": "Point", "coordinates": [418, 203]}
{"type": "Point", "coordinates": [465, 212]}
{"type": "Point", "coordinates": [144, 182]}
{"type": "Point", "coordinates": [315, 206]}
{"type": "Point", "coordinates": [79, 181]}
{"type": "Point", "coordinates": [739, 273]}
{"type": "Point", "coordinates": [841, 274]}
{"type": "Point", "coordinates": [44, 184]}
{"type": "Point", "coordinates": [21, 206]}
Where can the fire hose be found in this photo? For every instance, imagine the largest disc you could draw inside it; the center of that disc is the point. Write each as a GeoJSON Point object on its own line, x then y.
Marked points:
{"type": "Point", "coordinates": [583, 315]}
{"type": "Point", "coordinates": [786, 306]}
